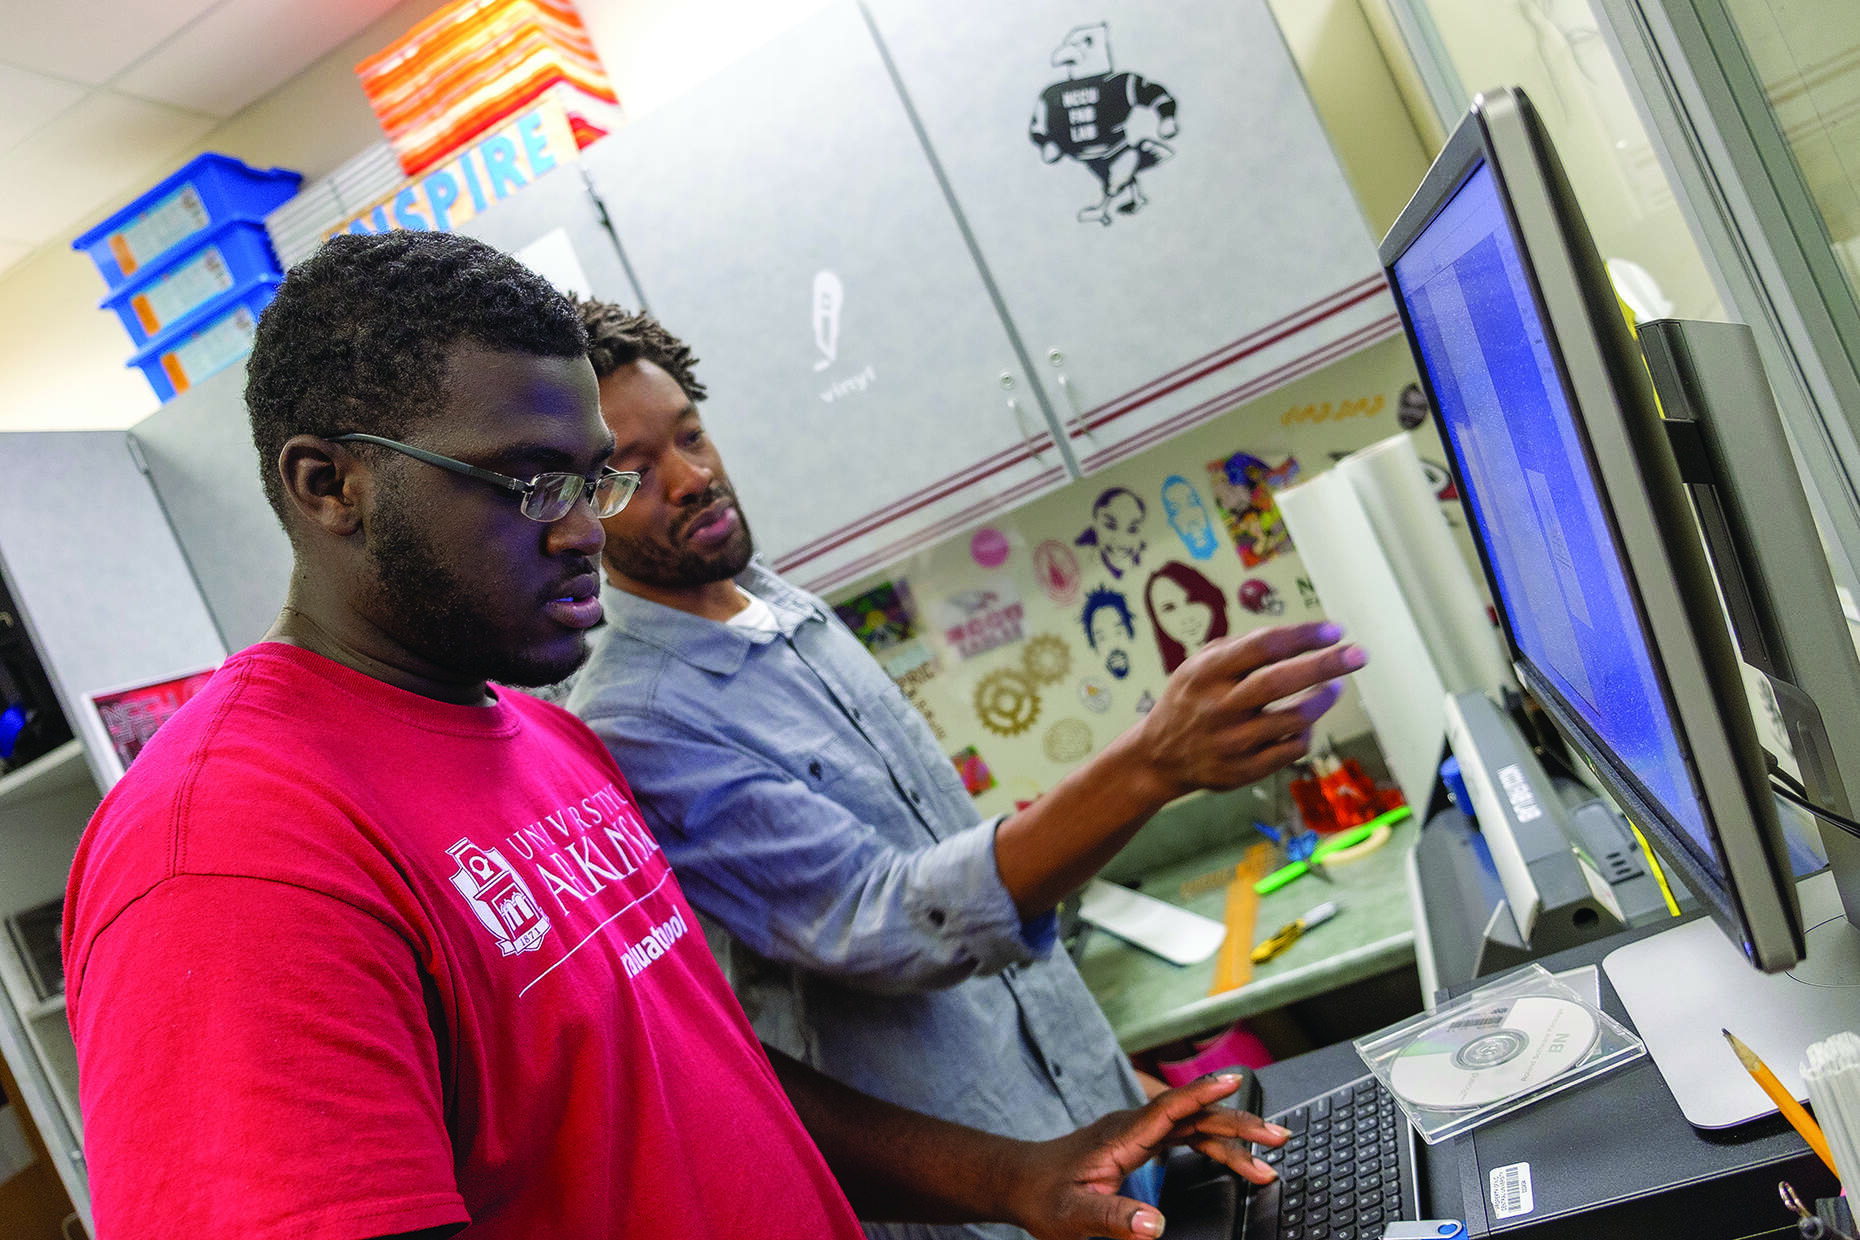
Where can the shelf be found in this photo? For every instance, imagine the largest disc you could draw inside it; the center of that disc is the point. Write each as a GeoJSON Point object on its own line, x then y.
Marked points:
{"type": "Point", "coordinates": [55, 771]}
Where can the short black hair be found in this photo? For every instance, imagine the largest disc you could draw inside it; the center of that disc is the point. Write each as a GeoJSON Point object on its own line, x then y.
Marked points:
{"type": "Point", "coordinates": [358, 335]}
{"type": "Point", "coordinates": [618, 337]}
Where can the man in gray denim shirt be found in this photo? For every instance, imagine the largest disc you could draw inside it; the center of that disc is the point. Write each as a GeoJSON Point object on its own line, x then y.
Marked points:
{"type": "Point", "coordinates": [871, 925]}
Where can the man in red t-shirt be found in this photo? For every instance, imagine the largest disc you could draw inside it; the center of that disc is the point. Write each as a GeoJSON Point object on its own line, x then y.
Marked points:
{"type": "Point", "coordinates": [363, 946]}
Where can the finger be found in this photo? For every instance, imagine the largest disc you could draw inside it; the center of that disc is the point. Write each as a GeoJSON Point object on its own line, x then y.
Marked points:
{"type": "Point", "coordinates": [1115, 1218]}
{"type": "Point", "coordinates": [1236, 1157]}
{"type": "Point", "coordinates": [1155, 1123]}
{"type": "Point", "coordinates": [1239, 656]}
{"type": "Point", "coordinates": [1297, 673]}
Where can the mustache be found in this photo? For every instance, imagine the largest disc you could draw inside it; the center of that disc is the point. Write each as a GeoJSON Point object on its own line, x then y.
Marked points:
{"type": "Point", "coordinates": [714, 494]}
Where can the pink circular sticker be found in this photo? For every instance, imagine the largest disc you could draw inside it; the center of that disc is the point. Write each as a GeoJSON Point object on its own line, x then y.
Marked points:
{"type": "Point", "coordinates": [989, 547]}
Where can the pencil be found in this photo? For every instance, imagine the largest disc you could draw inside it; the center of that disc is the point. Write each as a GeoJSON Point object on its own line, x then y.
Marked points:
{"type": "Point", "coordinates": [1792, 1110]}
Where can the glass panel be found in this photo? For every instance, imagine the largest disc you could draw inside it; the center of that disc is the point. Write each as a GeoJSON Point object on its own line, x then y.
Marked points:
{"type": "Point", "coordinates": [1555, 51]}
{"type": "Point", "coordinates": [1810, 70]}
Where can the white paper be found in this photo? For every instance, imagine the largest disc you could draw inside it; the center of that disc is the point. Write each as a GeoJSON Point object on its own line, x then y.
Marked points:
{"type": "Point", "coordinates": [1175, 934]}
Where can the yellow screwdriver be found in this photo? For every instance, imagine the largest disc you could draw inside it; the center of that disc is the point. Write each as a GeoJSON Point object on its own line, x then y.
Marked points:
{"type": "Point", "coordinates": [1287, 934]}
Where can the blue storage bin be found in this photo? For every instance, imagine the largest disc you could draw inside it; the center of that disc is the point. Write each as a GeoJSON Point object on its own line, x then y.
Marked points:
{"type": "Point", "coordinates": [208, 190]}
{"type": "Point", "coordinates": [208, 340]}
{"type": "Point", "coordinates": [164, 294]}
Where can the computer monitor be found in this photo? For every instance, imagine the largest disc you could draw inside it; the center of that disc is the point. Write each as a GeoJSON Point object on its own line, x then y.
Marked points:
{"type": "Point", "coordinates": [1582, 521]}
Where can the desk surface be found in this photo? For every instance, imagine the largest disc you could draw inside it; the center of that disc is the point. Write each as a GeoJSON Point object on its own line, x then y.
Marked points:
{"type": "Point", "coordinates": [1150, 1001]}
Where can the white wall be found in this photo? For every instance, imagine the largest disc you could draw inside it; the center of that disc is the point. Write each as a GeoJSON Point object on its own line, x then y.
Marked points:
{"type": "Point", "coordinates": [61, 358]}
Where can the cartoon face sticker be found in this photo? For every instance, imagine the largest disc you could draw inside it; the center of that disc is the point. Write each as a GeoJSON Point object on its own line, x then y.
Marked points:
{"type": "Point", "coordinates": [1260, 599]}
{"type": "Point", "coordinates": [1188, 516]}
{"type": "Point", "coordinates": [1411, 408]}
{"type": "Point", "coordinates": [1187, 610]}
{"type": "Point", "coordinates": [1107, 619]}
{"type": "Point", "coordinates": [1107, 627]}
{"type": "Point", "coordinates": [1116, 530]}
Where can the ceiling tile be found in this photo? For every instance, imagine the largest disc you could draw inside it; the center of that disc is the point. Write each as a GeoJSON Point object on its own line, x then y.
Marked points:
{"type": "Point", "coordinates": [28, 100]}
{"type": "Point", "coordinates": [253, 45]}
{"type": "Point", "coordinates": [90, 160]}
{"type": "Point", "coordinates": [89, 41]}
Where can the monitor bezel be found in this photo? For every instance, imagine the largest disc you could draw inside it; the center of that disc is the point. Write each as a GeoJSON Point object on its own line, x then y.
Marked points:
{"type": "Point", "coordinates": [1612, 399]}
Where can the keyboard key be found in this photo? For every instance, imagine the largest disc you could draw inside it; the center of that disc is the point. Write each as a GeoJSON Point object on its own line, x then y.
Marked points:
{"type": "Point", "coordinates": [1291, 1233]}
{"type": "Point", "coordinates": [1342, 1233]}
{"type": "Point", "coordinates": [1320, 1108]}
{"type": "Point", "coordinates": [1295, 1120]}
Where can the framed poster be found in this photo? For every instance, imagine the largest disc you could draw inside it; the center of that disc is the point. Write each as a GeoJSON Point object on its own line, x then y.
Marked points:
{"type": "Point", "coordinates": [131, 714]}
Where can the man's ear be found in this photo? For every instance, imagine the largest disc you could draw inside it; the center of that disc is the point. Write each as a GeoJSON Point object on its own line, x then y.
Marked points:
{"type": "Point", "coordinates": [327, 484]}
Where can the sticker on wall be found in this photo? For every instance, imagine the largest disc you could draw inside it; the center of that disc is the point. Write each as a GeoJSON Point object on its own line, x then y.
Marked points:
{"type": "Point", "coordinates": [976, 777]}
{"type": "Point", "coordinates": [1116, 124]}
{"type": "Point", "coordinates": [1186, 610]}
{"type": "Point", "coordinates": [1006, 702]}
{"type": "Point", "coordinates": [1146, 703]}
{"type": "Point", "coordinates": [989, 547]}
{"type": "Point", "coordinates": [1260, 598]}
{"type": "Point", "coordinates": [1308, 595]}
{"type": "Point", "coordinates": [1411, 407]}
{"type": "Point", "coordinates": [1058, 571]}
{"type": "Point", "coordinates": [881, 620]}
{"type": "Point", "coordinates": [1188, 516]}
{"type": "Point", "coordinates": [1243, 486]}
{"type": "Point", "coordinates": [1068, 741]}
{"type": "Point", "coordinates": [1440, 480]}
{"type": "Point", "coordinates": [1342, 411]}
{"type": "Point", "coordinates": [977, 621]}
{"type": "Point", "coordinates": [911, 684]}
{"type": "Point", "coordinates": [1095, 694]}
{"type": "Point", "coordinates": [1046, 659]}
{"type": "Point", "coordinates": [1116, 530]}
{"type": "Point", "coordinates": [1108, 625]}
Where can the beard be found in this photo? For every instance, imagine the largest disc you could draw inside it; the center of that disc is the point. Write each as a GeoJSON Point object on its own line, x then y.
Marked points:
{"type": "Point", "coordinates": [429, 609]}
{"type": "Point", "coordinates": [675, 564]}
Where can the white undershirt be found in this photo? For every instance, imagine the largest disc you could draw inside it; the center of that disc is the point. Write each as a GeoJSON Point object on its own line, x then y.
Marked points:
{"type": "Point", "coordinates": [757, 620]}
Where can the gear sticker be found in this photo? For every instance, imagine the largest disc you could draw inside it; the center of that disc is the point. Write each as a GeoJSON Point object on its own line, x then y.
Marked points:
{"type": "Point", "coordinates": [1068, 741]}
{"type": "Point", "coordinates": [1006, 702]}
{"type": "Point", "coordinates": [1046, 660]}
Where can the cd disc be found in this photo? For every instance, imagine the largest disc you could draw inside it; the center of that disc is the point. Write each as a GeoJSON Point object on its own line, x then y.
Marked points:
{"type": "Point", "coordinates": [1493, 1053]}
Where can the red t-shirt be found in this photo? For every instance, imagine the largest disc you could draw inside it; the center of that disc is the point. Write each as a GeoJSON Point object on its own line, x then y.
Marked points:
{"type": "Point", "coordinates": [345, 961]}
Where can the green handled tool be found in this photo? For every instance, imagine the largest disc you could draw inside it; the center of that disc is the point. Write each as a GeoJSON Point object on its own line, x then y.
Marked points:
{"type": "Point", "coordinates": [1336, 843]}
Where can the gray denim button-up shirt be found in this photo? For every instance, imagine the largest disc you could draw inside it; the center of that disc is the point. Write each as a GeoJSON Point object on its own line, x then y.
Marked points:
{"type": "Point", "coordinates": [809, 812]}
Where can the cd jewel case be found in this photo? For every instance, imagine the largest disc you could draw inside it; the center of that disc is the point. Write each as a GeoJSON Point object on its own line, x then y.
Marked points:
{"type": "Point", "coordinates": [1494, 1050]}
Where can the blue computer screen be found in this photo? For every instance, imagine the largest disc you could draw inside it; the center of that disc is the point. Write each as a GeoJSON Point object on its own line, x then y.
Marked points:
{"type": "Point", "coordinates": [1533, 494]}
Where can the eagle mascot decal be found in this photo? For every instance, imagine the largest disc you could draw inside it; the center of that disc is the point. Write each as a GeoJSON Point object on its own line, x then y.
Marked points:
{"type": "Point", "coordinates": [1113, 123]}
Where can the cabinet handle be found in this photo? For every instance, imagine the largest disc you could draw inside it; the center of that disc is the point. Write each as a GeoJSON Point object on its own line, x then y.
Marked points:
{"type": "Point", "coordinates": [1077, 420]}
{"type": "Point", "coordinates": [1032, 441]}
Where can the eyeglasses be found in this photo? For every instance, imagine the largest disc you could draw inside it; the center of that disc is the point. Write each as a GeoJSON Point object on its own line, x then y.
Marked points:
{"type": "Point", "coordinates": [546, 497]}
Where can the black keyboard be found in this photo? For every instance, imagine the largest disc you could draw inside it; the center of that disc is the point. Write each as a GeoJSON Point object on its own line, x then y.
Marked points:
{"type": "Point", "coordinates": [1346, 1172]}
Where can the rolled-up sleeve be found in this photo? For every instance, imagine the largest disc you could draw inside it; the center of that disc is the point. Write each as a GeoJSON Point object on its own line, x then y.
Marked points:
{"type": "Point", "coordinates": [800, 879]}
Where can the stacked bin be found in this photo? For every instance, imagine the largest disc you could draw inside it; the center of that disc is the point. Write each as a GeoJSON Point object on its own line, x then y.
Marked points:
{"type": "Point", "coordinates": [189, 267]}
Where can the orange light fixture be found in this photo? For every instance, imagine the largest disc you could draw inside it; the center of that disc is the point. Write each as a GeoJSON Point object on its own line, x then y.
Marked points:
{"type": "Point", "coordinates": [475, 64]}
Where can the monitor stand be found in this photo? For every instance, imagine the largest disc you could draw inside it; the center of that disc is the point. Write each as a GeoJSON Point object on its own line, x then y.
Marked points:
{"type": "Point", "coordinates": [1682, 986]}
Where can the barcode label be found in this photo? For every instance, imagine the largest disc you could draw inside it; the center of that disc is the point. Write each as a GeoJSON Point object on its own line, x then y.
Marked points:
{"type": "Point", "coordinates": [1486, 1018]}
{"type": "Point", "coordinates": [1518, 791]}
{"type": "Point", "coordinates": [1511, 1190]}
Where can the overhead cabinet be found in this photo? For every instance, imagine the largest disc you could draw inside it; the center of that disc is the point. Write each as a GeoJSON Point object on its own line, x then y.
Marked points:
{"type": "Point", "coordinates": [937, 259]}
{"type": "Point", "coordinates": [864, 390]}
{"type": "Point", "coordinates": [1151, 192]}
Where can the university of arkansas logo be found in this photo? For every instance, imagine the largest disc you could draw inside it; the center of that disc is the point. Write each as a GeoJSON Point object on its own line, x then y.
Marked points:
{"type": "Point", "coordinates": [500, 897]}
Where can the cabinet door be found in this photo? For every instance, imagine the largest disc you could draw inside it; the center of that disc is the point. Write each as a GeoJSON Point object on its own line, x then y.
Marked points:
{"type": "Point", "coordinates": [198, 453]}
{"type": "Point", "coordinates": [555, 226]}
{"type": "Point", "coordinates": [782, 219]}
{"type": "Point", "coordinates": [1151, 192]}
{"type": "Point", "coordinates": [96, 572]}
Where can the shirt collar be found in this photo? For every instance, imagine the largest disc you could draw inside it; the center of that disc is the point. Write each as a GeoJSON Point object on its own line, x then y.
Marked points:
{"type": "Point", "coordinates": [707, 644]}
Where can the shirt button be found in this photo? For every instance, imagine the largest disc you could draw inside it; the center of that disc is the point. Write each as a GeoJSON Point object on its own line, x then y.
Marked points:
{"type": "Point", "coordinates": [936, 917]}
{"type": "Point", "coordinates": [855, 714]}
{"type": "Point", "coordinates": [1056, 1070]}
{"type": "Point", "coordinates": [915, 798]}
